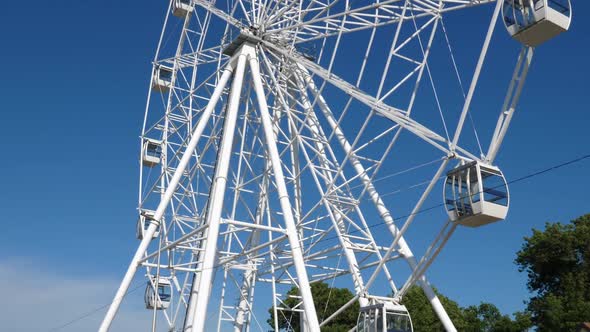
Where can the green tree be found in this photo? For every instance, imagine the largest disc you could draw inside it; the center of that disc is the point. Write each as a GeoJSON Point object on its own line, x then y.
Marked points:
{"type": "Point", "coordinates": [423, 316]}
{"type": "Point", "coordinates": [483, 318]}
{"type": "Point", "coordinates": [326, 300]}
{"type": "Point", "coordinates": [487, 318]}
{"type": "Point", "coordinates": [556, 261]}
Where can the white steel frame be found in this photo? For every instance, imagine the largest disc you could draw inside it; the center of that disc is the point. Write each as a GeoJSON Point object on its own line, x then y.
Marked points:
{"type": "Point", "coordinates": [248, 129]}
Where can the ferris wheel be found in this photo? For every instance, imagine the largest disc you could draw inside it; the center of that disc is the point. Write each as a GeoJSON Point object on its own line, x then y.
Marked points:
{"type": "Point", "coordinates": [268, 128]}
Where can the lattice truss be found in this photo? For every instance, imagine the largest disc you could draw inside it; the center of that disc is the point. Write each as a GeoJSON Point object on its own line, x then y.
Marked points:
{"type": "Point", "coordinates": [342, 81]}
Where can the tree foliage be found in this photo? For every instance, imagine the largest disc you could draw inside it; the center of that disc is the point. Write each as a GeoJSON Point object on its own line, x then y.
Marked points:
{"type": "Point", "coordinates": [556, 261]}
{"type": "Point", "coordinates": [483, 318]}
{"type": "Point", "coordinates": [487, 318]}
{"type": "Point", "coordinates": [326, 300]}
{"type": "Point", "coordinates": [423, 316]}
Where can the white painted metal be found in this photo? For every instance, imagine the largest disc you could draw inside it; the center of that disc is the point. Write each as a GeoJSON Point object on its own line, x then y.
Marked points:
{"type": "Point", "coordinates": [151, 154]}
{"type": "Point", "coordinates": [475, 78]}
{"type": "Point", "coordinates": [216, 199]}
{"type": "Point", "coordinates": [143, 222]}
{"type": "Point", "coordinates": [157, 294]}
{"type": "Point", "coordinates": [476, 194]}
{"type": "Point", "coordinates": [533, 22]}
{"type": "Point", "coordinates": [339, 224]}
{"type": "Point", "coordinates": [384, 316]}
{"type": "Point", "coordinates": [512, 96]}
{"type": "Point", "coordinates": [181, 8]}
{"type": "Point", "coordinates": [292, 234]}
{"type": "Point", "coordinates": [162, 80]}
{"type": "Point", "coordinates": [114, 307]}
{"type": "Point", "coordinates": [383, 211]}
{"type": "Point", "coordinates": [275, 180]}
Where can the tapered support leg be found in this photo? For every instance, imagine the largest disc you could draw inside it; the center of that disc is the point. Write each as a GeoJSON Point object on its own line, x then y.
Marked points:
{"type": "Point", "coordinates": [155, 223]}
{"type": "Point", "coordinates": [245, 305]}
{"type": "Point", "coordinates": [215, 206]}
{"type": "Point", "coordinates": [379, 204]}
{"type": "Point", "coordinates": [273, 152]}
{"type": "Point", "coordinates": [339, 225]}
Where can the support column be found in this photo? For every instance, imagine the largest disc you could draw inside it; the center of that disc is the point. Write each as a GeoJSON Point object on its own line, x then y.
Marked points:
{"type": "Point", "coordinates": [273, 153]}
{"type": "Point", "coordinates": [474, 80]}
{"type": "Point", "coordinates": [512, 96]}
{"type": "Point", "coordinates": [380, 205]}
{"type": "Point", "coordinates": [215, 204]}
{"type": "Point", "coordinates": [339, 226]}
{"type": "Point", "coordinates": [155, 223]}
{"type": "Point", "coordinates": [245, 307]}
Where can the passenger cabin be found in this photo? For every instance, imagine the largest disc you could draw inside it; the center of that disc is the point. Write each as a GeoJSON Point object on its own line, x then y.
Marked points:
{"type": "Point", "coordinates": [157, 300]}
{"type": "Point", "coordinates": [533, 22]}
{"type": "Point", "coordinates": [162, 80]}
{"type": "Point", "coordinates": [144, 221]}
{"type": "Point", "coordinates": [151, 154]}
{"type": "Point", "coordinates": [476, 194]}
{"type": "Point", "coordinates": [181, 8]}
{"type": "Point", "coordinates": [384, 317]}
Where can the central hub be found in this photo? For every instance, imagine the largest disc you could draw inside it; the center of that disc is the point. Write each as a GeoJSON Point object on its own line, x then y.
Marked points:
{"type": "Point", "coordinates": [246, 35]}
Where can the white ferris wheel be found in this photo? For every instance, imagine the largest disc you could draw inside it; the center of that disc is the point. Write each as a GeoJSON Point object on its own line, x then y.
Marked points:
{"type": "Point", "coordinates": [267, 129]}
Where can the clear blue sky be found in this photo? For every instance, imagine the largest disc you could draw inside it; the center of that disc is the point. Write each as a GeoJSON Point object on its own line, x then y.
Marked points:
{"type": "Point", "coordinates": [75, 76]}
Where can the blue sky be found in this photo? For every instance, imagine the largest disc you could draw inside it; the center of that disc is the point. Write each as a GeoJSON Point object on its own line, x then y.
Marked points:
{"type": "Point", "coordinates": [73, 95]}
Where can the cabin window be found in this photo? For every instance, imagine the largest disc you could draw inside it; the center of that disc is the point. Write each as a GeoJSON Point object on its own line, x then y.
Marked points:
{"type": "Point", "coordinates": [494, 188]}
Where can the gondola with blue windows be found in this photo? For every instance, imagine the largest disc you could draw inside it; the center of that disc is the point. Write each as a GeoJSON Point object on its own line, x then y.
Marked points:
{"type": "Point", "coordinates": [145, 219]}
{"type": "Point", "coordinates": [476, 194]}
{"type": "Point", "coordinates": [162, 78]}
{"type": "Point", "coordinates": [533, 22]}
{"type": "Point", "coordinates": [181, 8]}
{"type": "Point", "coordinates": [384, 317]}
{"type": "Point", "coordinates": [157, 300]}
